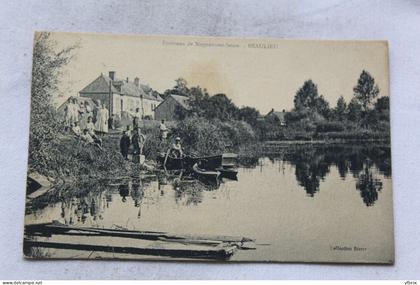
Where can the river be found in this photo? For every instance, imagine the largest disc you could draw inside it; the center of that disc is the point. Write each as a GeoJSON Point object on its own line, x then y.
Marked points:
{"type": "Point", "coordinates": [302, 203]}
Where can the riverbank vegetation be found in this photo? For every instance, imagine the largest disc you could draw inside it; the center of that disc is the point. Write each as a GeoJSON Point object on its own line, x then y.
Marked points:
{"type": "Point", "coordinates": [54, 152]}
{"type": "Point", "coordinates": [213, 123]}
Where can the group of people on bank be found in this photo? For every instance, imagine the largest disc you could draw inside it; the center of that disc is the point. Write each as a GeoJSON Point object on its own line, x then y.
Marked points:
{"type": "Point", "coordinates": [87, 122]}
{"type": "Point", "coordinates": [90, 121]}
{"type": "Point", "coordinates": [81, 113]}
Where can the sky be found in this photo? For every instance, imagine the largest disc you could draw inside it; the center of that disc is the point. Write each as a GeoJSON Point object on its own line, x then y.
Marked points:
{"type": "Point", "coordinates": [261, 73]}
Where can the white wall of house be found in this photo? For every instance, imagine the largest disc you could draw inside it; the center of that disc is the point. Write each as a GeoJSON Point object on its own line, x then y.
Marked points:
{"type": "Point", "coordinates": [130, 103]}
{"type": "Point", "coordinates": [149, 107]}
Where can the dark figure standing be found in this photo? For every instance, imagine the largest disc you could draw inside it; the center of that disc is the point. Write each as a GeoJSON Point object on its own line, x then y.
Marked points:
{"type": "Point", "coordinates": [124, 144]}
{"type": "Point", "coordinates": [137, 140]}
{"type": "Point", "coordinates": [111, 122]}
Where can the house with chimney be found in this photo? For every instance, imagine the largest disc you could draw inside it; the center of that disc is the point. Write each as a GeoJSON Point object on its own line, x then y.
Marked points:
{"type": "Point", "coordinates": [280, 116]}
{"type": "Point", "coordinates": [121, 96]}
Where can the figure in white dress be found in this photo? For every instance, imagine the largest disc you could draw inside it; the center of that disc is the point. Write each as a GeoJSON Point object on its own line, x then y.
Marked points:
{"type": "Point", "coordinates": [102, 120]}
{"type": "Point", "coordinates": [71, 112]}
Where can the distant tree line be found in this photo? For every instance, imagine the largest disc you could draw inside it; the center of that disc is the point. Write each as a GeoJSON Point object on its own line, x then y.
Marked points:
{"type": "Point", "coordinates": [365, 116]}
{"type": "Point", "coordinates": [211, 107]}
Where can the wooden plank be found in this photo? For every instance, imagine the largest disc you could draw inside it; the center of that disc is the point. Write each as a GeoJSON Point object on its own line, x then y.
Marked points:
{"type": "Point", "coordinates": [42, 182]}
{"type": "Point", "coordinates": [217, 253]}
{"type": "Point", "coordinates": [50, 229]}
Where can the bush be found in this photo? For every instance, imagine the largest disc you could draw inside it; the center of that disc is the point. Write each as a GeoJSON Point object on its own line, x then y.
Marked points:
{"type": "Point", "coordinates": [68, 158]}
{"type": "Point", "coordinates": [356, 134]}
{"type": "Point", "coordinates": [153, 144]}
{"type": "Point", "coordinates": [206, 137]}
{"type": "Point", "coordinates": [334, 126]}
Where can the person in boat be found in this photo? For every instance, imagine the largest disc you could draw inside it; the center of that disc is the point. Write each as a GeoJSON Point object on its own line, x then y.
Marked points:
{"type": "Point", "coordinates": [163, 130]}
{"type": "Point", "coordinates": [175, 150]}
{"type": "Point", "coordinates": [125, 144]}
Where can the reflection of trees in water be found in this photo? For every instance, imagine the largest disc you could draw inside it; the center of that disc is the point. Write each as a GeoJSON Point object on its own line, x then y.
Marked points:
{"type": "Point", "coordinates": [308, 177]}
{"type": "Point", "coordinates": [85, 203]}
{"type": "Point", "coordinates": [368, 185]}
{"type": "Point", "coordinates": [312, 165]}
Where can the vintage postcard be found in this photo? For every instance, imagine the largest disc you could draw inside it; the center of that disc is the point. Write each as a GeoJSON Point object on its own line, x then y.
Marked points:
{"type": "Point", "coordinates": [209, 149]}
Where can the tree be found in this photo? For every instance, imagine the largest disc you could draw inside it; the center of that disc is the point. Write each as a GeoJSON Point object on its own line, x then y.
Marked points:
{"type": "Point", "coordinates": [322, 106]}
{"type": "Point", "coordinates": [382, 104]}
{"type": "Point", "coordinates": [46, 73]}
{"type": "Point", "coordinates": [354, 110]}
{"type": "Point", "coordinates": [221, 107]}
{"type": "Point", "coordinates": [340, 109]}
{"type": "Point", "coordinates": [198, 101]}
{"type": "Point", "coordinates": [306, 96]}
{"type": "Point", "coordinates": [181, 87]}
{"type": "Point", "coordinates": [380, 112]}
{"type": "Point", "coordinates": [249, 115]}
{"type": "Point", "coordinates": [365, 90]}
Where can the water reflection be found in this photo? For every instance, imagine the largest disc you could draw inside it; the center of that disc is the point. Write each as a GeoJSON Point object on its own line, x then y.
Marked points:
{"type": "Point", "coordinates": [363, 166]}
{"type": "Point", "coordinates": [322, 184]}
{"type": "Point", "coordinates": [82, 209]}
{"type": "Point", "coordinates": [88, 207]}
{"type": "Point", "coordinates": [368, 184]}
{"type": "Point", "coordinates": [312, 165]}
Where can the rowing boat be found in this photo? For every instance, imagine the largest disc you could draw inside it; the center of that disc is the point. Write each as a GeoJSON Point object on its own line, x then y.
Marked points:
{"type": "Point", "coordinates": [205, 174]}
{"type": "Point", "coordinates": [230, 173]}
{"type": "Point", "coordinates": [173, 163]}
{"type": "Point", "coordinates": [187, 162]}
{"type": "Point", "coordinates": [209, 162]}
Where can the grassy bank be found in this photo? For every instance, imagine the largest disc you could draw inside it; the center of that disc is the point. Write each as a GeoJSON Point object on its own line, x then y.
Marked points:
{"type": "Point", "coordinates": [69, 159]}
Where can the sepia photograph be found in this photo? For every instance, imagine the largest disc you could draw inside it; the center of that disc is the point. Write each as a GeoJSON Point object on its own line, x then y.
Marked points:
{"type": "Point", "coordinates": [210, 149]}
